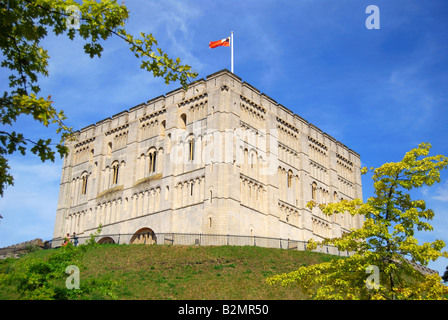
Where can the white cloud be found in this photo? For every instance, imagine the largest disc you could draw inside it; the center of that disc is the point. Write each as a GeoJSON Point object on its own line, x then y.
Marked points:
{"type": "Point", "coordinates": [171, 23]}
{"type": "Point", "coordinates": [411, 87]}
{"type": "Point", "coordinates": [441, 193]}
{"type": "Point", "coordinates": [29, 207]}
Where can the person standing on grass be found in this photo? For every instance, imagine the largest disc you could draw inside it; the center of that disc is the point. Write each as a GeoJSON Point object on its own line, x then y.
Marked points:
{"type": "Point", "coordinates": [66, 239]}
{"type": "Point", "coordinates": [75, 239]}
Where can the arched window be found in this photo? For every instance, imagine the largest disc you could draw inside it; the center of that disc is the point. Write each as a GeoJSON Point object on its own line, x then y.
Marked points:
{"type": "Point", "coordinates": [152, 161]}
{"type": "Point", "coordinates": [84, 184]}
{"type": "Point", "coordinates": [162, 128]}
{"type": "Point", "coordinates": [109, 149]}
{"type": "Point", "coordinates": [115, 168]}
{"type": "Point", "coordinates": [191, 149]}
{"type": "Point", "coordinates": [314, 191]}
{"type": "Point", "coordinates": [183, 121]}
{"type": "Point", "coordinates": [289, 178]}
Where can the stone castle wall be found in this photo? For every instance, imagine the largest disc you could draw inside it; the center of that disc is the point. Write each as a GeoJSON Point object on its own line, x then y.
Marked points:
{"type": "Point", "coordinates": [218, 158]}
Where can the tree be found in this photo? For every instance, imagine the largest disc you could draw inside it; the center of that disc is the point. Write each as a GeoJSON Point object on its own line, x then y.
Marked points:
{"type": "Point", "coordinates": [24, 23]}
{"type": "Point", "coordinates": [385, 243]}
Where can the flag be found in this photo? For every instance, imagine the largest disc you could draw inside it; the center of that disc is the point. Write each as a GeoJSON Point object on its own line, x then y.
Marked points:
{"type": "Point", "coordinates": [223, 42]}
{"type": "Point", "coordinates": [226, 42]}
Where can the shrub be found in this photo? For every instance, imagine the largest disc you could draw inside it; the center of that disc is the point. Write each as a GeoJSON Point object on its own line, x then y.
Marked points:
{"type": "Point", "coordinates": [39, 278]}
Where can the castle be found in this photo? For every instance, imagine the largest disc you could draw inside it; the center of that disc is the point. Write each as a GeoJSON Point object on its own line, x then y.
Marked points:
{"type": "Point", "coordinates": [218, 158]}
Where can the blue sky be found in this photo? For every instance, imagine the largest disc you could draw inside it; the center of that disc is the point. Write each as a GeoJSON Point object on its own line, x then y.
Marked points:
{"type": "Point", "coordinates": [380, 92]}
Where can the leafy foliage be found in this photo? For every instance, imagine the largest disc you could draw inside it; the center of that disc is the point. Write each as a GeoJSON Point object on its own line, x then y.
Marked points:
{"type": "Point", "coordinates": [39, 279]}
{"type": "Point", "coordinates": [24, 24]}
{"type": "Point", "coordinates": [92, 239]}
{"type": "Point", "coordinates": [386, 239]}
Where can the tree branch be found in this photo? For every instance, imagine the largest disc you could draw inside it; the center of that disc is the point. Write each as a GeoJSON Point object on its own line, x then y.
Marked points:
{"type": "Point", "coordinates": [140, 48]}
{"type": "Point", "coordinates": [20, 62]}
{"type": "Point", "coordinates": [16, 140]}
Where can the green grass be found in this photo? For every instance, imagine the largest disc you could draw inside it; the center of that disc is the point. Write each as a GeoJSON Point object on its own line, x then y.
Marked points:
{"type": "Point", "coordinates": [186, 272]}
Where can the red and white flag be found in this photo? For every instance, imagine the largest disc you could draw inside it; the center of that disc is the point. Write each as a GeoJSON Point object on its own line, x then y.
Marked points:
{"type": "Point", "coordinates": [220, 43]}
{"type": "Point", "coordinates": [226, 42]}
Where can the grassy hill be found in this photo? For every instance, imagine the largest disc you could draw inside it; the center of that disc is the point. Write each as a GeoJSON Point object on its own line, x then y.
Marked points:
{"type": "Point", "coordinates": [184, 272]}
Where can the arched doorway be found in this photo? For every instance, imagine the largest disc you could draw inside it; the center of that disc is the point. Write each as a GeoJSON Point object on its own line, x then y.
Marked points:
{"type": "Point", "coordinates": [144, 236]}
{"type": "Point", "coordinates": [106, 240]}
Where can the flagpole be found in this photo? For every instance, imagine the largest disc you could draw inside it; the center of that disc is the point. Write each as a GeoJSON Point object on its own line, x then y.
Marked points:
{"type": "Point", "coordinates": [231, 49]}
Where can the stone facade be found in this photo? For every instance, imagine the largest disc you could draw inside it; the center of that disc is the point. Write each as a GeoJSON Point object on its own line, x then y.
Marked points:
{"type": "Point", "coordinates": [218, 158]}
